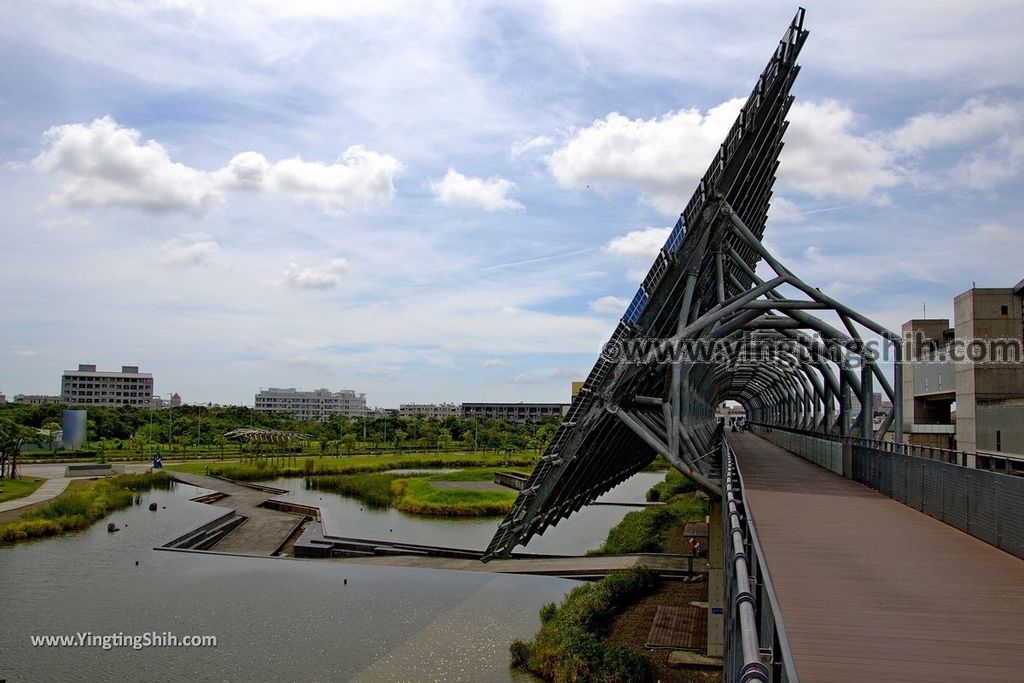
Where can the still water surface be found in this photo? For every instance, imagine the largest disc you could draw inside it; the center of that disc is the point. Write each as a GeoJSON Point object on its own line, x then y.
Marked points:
{"type": "Point", "coordinates": [275, 619]}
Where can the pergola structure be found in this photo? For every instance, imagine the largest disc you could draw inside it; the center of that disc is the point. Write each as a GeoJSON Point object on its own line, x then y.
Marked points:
{"type": "Point", "coordinates": [706, 326]}
{"type": "Point", "coordinates": [261, 436]}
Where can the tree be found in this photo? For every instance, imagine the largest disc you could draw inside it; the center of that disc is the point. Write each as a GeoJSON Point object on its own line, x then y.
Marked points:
{"type": "Point", "coordinates": [51, 428]}
{"type": "Point", "coordinates": [12, 437]}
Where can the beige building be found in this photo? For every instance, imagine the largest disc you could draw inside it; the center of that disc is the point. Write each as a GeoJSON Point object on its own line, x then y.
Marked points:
{"type": "Point", "coordinates": [437, 411]}
{"type": "Point", "coordinates": [515, 412]}
{"type": "Point", "coordinates": [35, 399]}
{"type": "Point", "coordinates": [319, 404]}
{"type": "Point", "coordinates": [87, 386]}
{"type": "Point", "coordinates": [964, 386]}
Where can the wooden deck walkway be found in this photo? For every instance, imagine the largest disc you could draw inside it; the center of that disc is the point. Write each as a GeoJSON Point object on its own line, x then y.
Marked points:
{"type": "Point", "coordinates": [872, 590]}
{"type": "Point", "coordinates": [264, 529]}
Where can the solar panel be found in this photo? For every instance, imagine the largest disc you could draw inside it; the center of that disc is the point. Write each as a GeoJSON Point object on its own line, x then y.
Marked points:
{"type": "Point", "coordinates": [593, 450]}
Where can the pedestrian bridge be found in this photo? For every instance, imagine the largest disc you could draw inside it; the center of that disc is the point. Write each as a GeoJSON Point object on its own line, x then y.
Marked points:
{"type": "Point", "coordinates": [851, 585]}
{"type": "Point", "coordinates": [865, 559]}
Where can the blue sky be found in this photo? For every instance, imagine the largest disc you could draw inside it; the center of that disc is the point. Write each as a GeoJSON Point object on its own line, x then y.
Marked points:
{"type": "Point", "coordinates": [453, 202]}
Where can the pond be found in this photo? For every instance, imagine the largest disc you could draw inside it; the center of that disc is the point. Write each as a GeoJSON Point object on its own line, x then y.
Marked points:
{"type": "Point", "coordinates": [275, 619]}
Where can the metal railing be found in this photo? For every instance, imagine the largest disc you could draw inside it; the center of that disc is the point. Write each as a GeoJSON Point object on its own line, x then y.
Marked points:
{"type": "Point", "coordinates": [988, 505]}
{"type": "Point", "coordinates": [910, 450]}
{"type": "Point", "coordinates": [756, 646]}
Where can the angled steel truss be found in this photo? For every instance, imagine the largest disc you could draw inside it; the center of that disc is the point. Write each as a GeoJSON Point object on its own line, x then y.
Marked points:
{"type": "Point", "coordinates": [703, 328]}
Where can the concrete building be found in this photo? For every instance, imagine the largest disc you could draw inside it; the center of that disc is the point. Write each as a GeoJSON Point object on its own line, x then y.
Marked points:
{"type": "Point", "coordinates": [87, 386]}
{"type": "Point", "coordinates": [3, 399]}
{"type": "Point", "coordinates": [964, 388]}
{"type": "Point", "coordinates": [729, 415]}
{"type": "Point", "coordinates": [320, 404]}
{"type": "Point", "coordinates": [437, 411]}
{"type": "Point", "coordinates": [35, 399]}
{"type": "Point", "coordinates": [515, 412]}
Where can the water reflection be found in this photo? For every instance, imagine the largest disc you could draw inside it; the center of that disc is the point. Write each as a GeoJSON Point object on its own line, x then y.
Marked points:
{"type": "Point", "coordinates": [583, 531]}
{"type": "Point", "coordinates": [275, 619]}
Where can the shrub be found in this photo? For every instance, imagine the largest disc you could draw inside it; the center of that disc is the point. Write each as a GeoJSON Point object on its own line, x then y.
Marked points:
{"type": "Point", "coordinates": [569, 645]}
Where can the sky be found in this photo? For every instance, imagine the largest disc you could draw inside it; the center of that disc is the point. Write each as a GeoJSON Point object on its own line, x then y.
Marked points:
{"type": "Point", "coordinates": [455, 201]}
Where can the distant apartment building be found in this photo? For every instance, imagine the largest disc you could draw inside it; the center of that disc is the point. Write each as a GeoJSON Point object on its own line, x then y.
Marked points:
{"type": "Point", "coordinates": [35, 399]}
{"type": "Point", "coordinates": [3, 399]}
{"type": "Point", "coordinates": [437, 411]}
{"type": "Point", "coordinates": [319, 404]}
{"type": "Point", "coordinates": [964, 385]}
{"type": "Point", "coordinates": [515, 412]}
{"type": "Point", "coordinates": [87, 386]}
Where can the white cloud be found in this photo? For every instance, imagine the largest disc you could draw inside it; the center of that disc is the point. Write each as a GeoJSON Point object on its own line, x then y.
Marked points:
{"type": "Point", "coordinates": [639, 244]}
{"type": "Point", "coordinates": [189, 252]}
{"type": "Point", "coordinates": [822, 157]}
{"type": "Point", "coordinates": [491, 194]}
{"type": "Point", "coordinates": [494, 363]}
{"type": "Point", "coordinates": [546, 376]}
{"type": "Point", "coordinates": [609, 304]}
{"type": "Point", "coordinates": [523, 147]}
{"type": "Point", "coordinates": [23, 352]}
{"type": "Point", "coordinates": [327, 277]}
{"type": "Point", "coordinates": [976, 118]}
{"type": "Point", "coordinates": [662, 157]}
{"type": "Point", "coordinates": [105, 164]}
{"type": "Point", "coordinates": [987, 168]}
{"type": "Point", "coordinates": [783, 210]}
{"type": "Point", "coordinates": [362, 179]}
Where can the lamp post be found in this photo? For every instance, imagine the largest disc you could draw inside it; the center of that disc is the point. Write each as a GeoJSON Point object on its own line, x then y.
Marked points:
{"type": "Point", "coordinates": [199, 428]}
{"type": "Point", "coordinates": [170, 422]}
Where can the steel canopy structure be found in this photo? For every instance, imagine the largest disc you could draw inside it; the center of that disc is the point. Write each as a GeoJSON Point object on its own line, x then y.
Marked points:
{"type": "Point", "coordinates": [705, 327]}
{"type": "Point", "coordinates": [258, 436]}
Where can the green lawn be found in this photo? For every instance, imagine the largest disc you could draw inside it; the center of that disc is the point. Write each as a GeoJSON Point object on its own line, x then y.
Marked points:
{"type": "Point", "coordinates": [10, 489]}
{"type": "Point", "coordinates": [414, 493]}
{"type": "Point", "coordinates": [418, 497]}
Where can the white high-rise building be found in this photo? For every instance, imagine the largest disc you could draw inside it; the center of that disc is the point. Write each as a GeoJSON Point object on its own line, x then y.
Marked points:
{"type": "Point", "coordinates": [320, 404]}
{"type": "Point", "coordinates": [86, 386]}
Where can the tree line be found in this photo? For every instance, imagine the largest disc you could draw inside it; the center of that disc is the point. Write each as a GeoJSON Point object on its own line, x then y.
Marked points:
{"type": "Point", "coordinates": [196, 426]}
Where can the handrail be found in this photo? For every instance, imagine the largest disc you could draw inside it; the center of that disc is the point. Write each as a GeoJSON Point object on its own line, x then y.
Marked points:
{"type": "Point", "coordinates": [746, 573]}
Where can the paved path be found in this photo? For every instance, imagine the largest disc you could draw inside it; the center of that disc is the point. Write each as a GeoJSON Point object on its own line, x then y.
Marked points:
{"type": "Point", "coordinates": [51, 488]}
{"type": "Point", "coordinates": [872, 590]}
{"type": "Point", "coordinates": [263, 531]}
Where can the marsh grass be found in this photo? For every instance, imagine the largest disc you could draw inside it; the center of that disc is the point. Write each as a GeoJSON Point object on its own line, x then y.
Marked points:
{"type": "Point", "coordinates": [570, 645]}
{"type": "Point", "coordinates": [643, 531]}
{"type": "Point", "coordinates": [266, 469]}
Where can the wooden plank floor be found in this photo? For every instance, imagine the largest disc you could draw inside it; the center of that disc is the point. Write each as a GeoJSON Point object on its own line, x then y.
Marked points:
{"type": "Point", "coordinates": [872, 590]}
